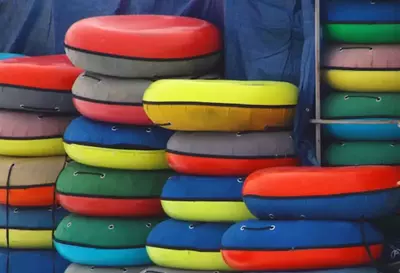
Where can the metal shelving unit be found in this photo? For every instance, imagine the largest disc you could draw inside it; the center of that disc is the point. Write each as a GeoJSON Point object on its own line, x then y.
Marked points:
{"type": "Point", "coordinates": [318, 121]}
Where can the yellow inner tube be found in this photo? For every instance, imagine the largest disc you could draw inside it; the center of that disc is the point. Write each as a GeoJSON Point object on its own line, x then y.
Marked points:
{"type": "Point", "coordinates": [223, 91]}
{"type": "Point", "coordinates": [363, 81]}
{"type": "Point", "coordinates": [32, 147]}
{"type": "Point", "coordinates": [30, 239]}
{"type": "Point", "coordinates": [117, 159]}
{"type": "Point", "coordinates": [207, 211]}
{"type": "Point", "coordinates": [220, 105]}
{"type": "Point", "coordinates": [187, 259]}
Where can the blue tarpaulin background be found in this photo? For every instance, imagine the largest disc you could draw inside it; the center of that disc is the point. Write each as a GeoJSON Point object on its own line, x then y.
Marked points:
{"type": "Point", "coordinates": [264, 39]}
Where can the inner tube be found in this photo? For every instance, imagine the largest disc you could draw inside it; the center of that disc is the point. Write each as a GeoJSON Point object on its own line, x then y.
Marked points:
{"type": "Point", "coordinates": [31, 134]}
{"type": "Point", "coordinates": [300, 245]}
{"type": "Point", "coordinates": [29, 182]}
{"type": "Point", "coordinates": [112, 146]}
{"type": "Point", "coordinates": [362, 68]}
{"type": "Point", "coordinates": [93, 191]}
{"type": "Point", "coordinates": [229, 154]}
{"type": "Point", "coordinates": [38, 84]}
{"type": "Point", "coordinates": [221, 105]}
{"type": "Point", "coordinates": [4, 56]}
{"type": "Point", "coordinates": [361, 21]}
{"type": "Point", "coordinates": [111, 99]}
{"type": "Point", "coordinates": [185, 245]}
{"type": "Point", "coordinates": [117, 242]}
{"type": "Point", "coordinates": [364, 132]}
{"type": "Point", "coordinates": [297, 192]}
{"type": "Point", "coordinates": [205, 199]}
{"type": "Point", "coordinates": [166, 45]}
{"type": "Point", "coordinates": [32, 261]}
{"type": "Point", "coordinates": [158, 269]}
{"type": "Point", "coordinates": [77, 268]}
{"type": "Point", "coordinates": [28, 228]}
{"type": "Point", "coordinates": [349, 105]}
{"type": "Point", "coordinates": [359, 153]}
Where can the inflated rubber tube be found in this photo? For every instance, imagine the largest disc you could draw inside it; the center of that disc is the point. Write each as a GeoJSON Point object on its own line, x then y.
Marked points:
{"type": "Point", "coordinates": [297, 192]}
{"type": "Point", "coordinates": [28, 228]}
{"type": "Point", "coordinates": [116, 146]}
{"type": "Point", "coordinates": [221, 105]}
{"type": "Point", "coordinates": [31, 134]}
{"type": "Point", "coordinates": [77, 268]}
{"type": "Point", "coordinates": [38, 84]}
{"type": "Point", "coordinates": [229, 154]}
{"type": "Point", "coordinates": [364, 132]}
{"type": "Point", "coordinates": [362, 153]}
{"type": "Point", "coordinates": [354, 11]}
{"type": "Point", "coordinates": [4, 56]}
{"type": "Point", "coordinates": [116, 242]}
{"type": "Point", "coordinates": [29, 182]}
{"type": "Point", "coordinates": [32, 261]}
{"type": "Point", "coordinates": [348, 105]}
{"type": "Point", "coordinates": [361, 21]}
{"type": "Point", "coordinates": [362, 68]}
{"type": "Point", "coordinates": [205, 199]}
{"type": "Point", "coordinates": [103, 192]}
{"type": "Point", "coordinates": [110, 99]}
{"type": "Point", "coordinates": [256, 245]}
{"type": "Point", "coordinates": [185, 245]}
{"type": "Point", "coordinates": [166, 45]}
{"type": "Point", "coordinates": [158, 269]}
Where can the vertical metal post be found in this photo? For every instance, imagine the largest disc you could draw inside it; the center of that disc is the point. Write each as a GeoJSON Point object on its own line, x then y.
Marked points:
{"type": "Point", "coordinates": [317, 25]}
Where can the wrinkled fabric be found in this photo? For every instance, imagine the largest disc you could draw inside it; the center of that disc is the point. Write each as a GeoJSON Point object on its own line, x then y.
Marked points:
{"type": "Point", "coordinates": [274, 40]}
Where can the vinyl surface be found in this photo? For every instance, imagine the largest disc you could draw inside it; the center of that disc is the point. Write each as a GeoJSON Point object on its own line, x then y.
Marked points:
{"type": "Point", "coordinates": [189, 46]}
{"type": "Point", "coordinates": [205, 198]}
{"type": "Point", "coordinates": [256, 245]}
{"type": "Point", "coordinates": [114, 146]}
{"type": "Point", "coordinates": [117, 242]}
{"type": "Point", "coordinates": [185, 245]}
{"type": "Point", "coordinates": [229, 154]}
{"type": "Point", "coordinates": [103, 192]}
{"type": "Point", "coordinates": [297, 193]}
{"type": "Point", "coordinates": [221, 105]}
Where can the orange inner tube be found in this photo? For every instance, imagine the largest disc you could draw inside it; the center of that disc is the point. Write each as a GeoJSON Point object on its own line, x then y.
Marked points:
{"type": "Point", "coordinates": [223, 166]}
{"type": "Point", "coordinates": [306, 259]}
{"type": "Point", "coordinates": [28, 197]}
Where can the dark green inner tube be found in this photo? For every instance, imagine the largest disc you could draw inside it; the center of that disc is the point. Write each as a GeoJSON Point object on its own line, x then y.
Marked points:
{"type": "Point", "coordinates": [363, 33]}
{"type": "Point", "coordinates": [362, 153]}
{"type": "Point", "coordinates": [361, 105]}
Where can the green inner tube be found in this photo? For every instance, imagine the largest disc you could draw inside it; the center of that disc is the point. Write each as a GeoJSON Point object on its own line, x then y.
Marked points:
{"type": "Point", "coordinates": [362, 153]}
{"type": "Point", "coordinates": [105, 232]}
{"type": "Point", "coordinates": [363, 33]}
{"type": "Point", "coordinates": [81, 180]}
{"type": "Point", "coordinates": [361, 105]}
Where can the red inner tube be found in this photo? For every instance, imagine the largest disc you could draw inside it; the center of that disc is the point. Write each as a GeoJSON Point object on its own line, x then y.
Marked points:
{"type": "Point", "coordinates": [107, 207]}
{"type": "Point", "coordinates": [125, 114]}
{"type": "Point", "coordinates": [54, 72]}
{"type": "Point", "coordinates": [145, 37]}
{"type": "Point", "coordinates": [223, 166]}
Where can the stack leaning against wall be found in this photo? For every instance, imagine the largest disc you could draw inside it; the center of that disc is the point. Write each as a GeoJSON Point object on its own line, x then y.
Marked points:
{"type": "Point", "coordinates": [36, 107]}
{"type": "Point", "coordinates": [120, 156]}
{"type": "Point", "coordinates": [226, 129]}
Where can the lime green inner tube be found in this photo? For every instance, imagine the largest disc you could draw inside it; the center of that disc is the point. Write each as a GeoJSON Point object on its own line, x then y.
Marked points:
{"type": "Point", "coordinates": [363, 33]}
{"type": "Point", "coordinates": [362, 153]}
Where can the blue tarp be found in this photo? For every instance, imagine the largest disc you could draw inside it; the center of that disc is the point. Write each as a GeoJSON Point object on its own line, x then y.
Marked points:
{"type": "Point", "coordinates": [264, 39]}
